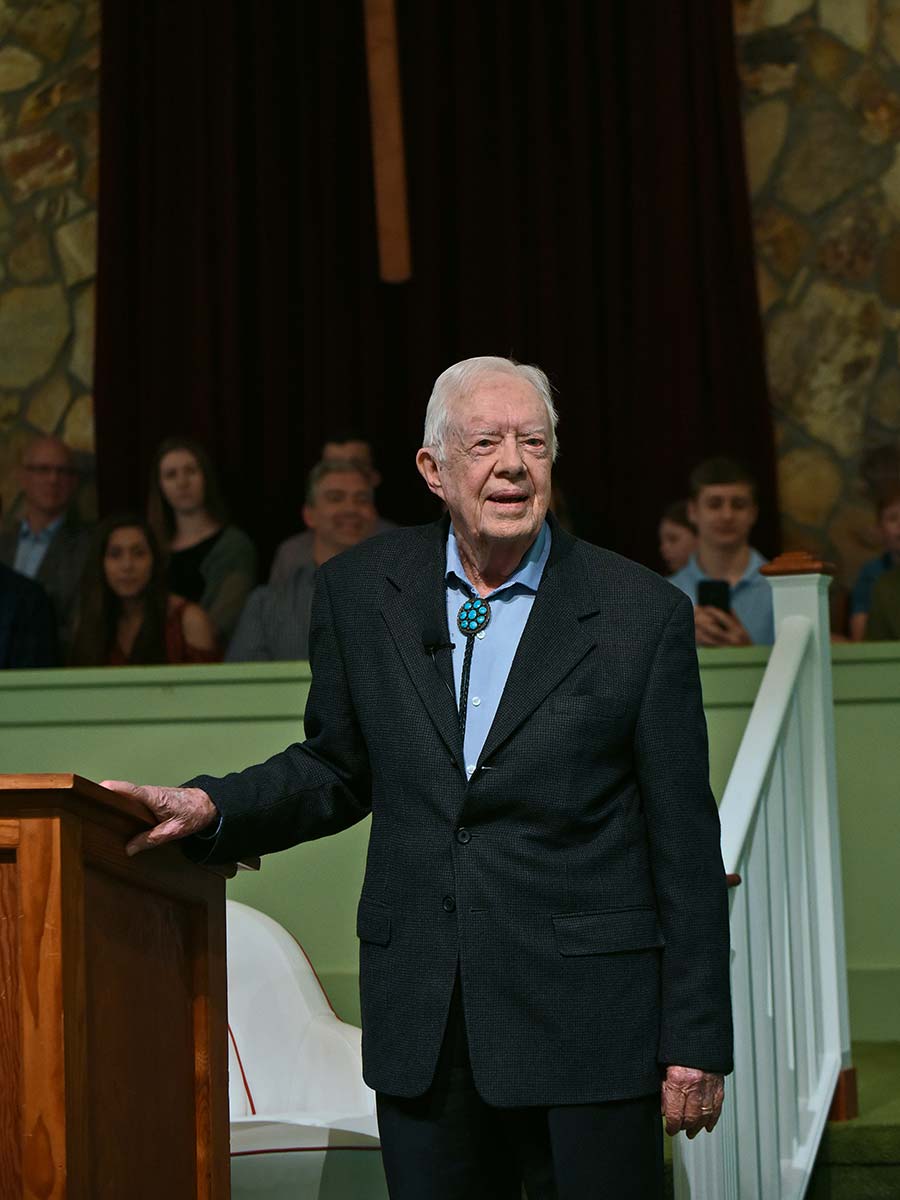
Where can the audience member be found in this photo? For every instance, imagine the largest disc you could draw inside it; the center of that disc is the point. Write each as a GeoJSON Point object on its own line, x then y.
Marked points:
{"type": "Point", "coordinates": [48, 543]}
{"type": "Point", "coordinates": [340, 511]}
{"type": "Point", "coordinates": [128, 614]}
{"type": "Point", "coordinates": [883, 624]}
{"type": "Point", "coordinates": [677, 536]}
{"type": "Point", "coordinates": [723, 508]}
{"type": "Point", "coordinates": [889, 525]}
{"type": "Point", "coordinates": [348, 446]}
{"type": "Point", "coordinates": [210, 562]}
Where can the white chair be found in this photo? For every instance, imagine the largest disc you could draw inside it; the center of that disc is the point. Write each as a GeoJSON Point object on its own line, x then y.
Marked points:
{"type": "Point", "coordinates": [302, 1120]}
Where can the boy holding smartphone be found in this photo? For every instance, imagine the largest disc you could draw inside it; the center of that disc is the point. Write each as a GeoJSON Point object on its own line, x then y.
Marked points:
{"type": "Point", "coordinates": [732, 601]}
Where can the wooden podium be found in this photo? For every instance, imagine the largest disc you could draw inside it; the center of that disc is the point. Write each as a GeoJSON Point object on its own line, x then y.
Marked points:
{"type": "Point", "coordinates": [113, 1050]}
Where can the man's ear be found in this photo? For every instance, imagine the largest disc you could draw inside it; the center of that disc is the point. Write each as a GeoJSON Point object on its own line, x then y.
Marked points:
{"type": "Point", "coordinates": [429, 470]}
{"type": "Point", "coordinates": [309, 516]}
{"type": "Point", "coordinates": [692, 511]}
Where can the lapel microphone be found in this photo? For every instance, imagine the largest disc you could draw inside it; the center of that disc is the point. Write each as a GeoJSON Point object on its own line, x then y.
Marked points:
{"type": "Point", "coordinates": [434, 639]}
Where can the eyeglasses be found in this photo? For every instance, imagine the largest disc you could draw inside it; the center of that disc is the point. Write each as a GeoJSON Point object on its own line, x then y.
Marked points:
{"type": "Point", "coordinates": [45, 470]}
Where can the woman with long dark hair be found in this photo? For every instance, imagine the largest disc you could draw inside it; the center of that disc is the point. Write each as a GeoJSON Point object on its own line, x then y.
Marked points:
{"type": "Point", "coordinates": [210, 561]}
{"type": "Point", "coordinates": [127, 613]}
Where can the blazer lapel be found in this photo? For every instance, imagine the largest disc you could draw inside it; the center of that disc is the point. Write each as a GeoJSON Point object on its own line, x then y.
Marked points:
{"type": "Point", "coordinates": [415, 611]}
{"type": "Point", "coordinates": [553, 642]}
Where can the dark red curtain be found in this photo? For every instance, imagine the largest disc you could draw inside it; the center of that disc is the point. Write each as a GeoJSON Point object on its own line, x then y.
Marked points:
{"type": "Point", "coordinates": [577, 199]}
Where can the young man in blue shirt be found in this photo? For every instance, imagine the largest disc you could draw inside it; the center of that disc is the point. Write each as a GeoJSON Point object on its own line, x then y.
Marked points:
{"type": "Point", "coordinates": [723, 508]}
{"type": "Point", "coordinates": [889, 527]}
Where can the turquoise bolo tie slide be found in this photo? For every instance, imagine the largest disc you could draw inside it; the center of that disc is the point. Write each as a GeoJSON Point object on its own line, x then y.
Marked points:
{"type": "Point", "coordinates": [473, 616]}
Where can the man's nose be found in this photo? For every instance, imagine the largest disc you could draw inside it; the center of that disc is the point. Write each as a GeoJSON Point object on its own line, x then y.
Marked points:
{"type": "Point", "coordinates": [509, 457]}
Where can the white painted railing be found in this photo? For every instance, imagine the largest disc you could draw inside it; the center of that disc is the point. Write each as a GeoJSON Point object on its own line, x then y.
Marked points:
{"type": "Point", "coordinates": [788, 969]}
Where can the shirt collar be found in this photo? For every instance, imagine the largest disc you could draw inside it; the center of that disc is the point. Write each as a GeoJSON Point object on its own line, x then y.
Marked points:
{"type": "Point", "coordinates": [527, 574]}
{"type": "Point", "coordinates": [45, 534]}
{"type": "Point", "coordinates": [752, 571]}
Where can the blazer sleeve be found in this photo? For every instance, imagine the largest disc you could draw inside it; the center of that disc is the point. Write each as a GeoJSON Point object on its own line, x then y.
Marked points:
{"type": "Point", "coordinates": [229, 573]}
{"type": "Point", "coordinates": [309, 790]}
{"type": "Point", "coordinates": [672, 762]}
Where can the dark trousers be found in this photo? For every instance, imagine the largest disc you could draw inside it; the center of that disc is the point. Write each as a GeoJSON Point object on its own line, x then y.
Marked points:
{"type": "Point", "coordinates": [450, 1145]}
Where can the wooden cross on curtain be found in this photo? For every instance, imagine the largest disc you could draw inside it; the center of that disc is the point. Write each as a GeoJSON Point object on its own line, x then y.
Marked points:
{"type": "Point", "coordinates": [386, 115]}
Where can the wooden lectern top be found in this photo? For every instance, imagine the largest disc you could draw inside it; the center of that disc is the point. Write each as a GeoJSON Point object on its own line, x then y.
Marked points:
{"type": "Point", "coordinates": [85, 789]}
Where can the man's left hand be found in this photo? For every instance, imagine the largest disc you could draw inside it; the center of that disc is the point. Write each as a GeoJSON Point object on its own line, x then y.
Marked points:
{"type": "Point", "coordinates": [691, 1100]}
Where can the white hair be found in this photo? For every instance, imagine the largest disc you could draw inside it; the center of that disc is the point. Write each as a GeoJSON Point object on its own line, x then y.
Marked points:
{"type": "Point", "coordinates": [460, 381]}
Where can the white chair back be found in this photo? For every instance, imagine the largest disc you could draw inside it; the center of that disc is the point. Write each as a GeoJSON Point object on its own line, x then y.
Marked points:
{"type": "Point", "coordinates": [295, 1055]}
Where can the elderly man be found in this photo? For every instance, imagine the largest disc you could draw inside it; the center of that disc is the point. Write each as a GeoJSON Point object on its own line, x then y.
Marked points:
{"type": "Point", "coordinates": [543, 922]}
{"type": "Point", "coordinates": [339, 512]}
{"type": "Point", "coordinates": [48, 543]}
{"type": "Point", "coordinates": [297, 550]}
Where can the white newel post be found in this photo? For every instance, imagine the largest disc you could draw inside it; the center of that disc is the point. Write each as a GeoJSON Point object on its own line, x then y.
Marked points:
{"type": "Point", "coordinates": [800, 588]}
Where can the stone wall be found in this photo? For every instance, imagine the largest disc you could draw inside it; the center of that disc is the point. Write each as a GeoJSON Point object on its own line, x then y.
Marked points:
{"type": "Point", "coordinates": [49, 59]}
{"type": "Point", "coordinates": [821, 91]}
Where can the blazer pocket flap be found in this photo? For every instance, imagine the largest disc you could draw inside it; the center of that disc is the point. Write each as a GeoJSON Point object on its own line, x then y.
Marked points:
{"type": "Point", "coordinates": [373, 925]}
{"type": "Point", "coordinates": [607, 932]}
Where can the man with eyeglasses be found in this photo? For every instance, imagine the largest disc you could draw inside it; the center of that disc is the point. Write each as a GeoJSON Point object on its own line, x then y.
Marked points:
{"type": "Point", "coordinates": [48, 542]}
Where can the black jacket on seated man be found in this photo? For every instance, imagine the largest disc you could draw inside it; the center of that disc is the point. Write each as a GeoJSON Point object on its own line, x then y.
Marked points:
{"type": "Point", "coordinates": [27, 623]}
{"type": "Point", "coordinates": [60, 571]}
{"type": "Point", "coordinates": [575, 882]}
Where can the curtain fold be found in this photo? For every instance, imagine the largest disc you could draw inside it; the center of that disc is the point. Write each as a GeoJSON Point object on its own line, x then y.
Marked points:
{"type": "Point", "coordinates": [577, 199]}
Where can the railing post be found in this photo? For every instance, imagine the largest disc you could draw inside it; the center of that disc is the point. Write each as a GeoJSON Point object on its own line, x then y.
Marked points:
{"type": "Point", "coordinates": [800, 588]}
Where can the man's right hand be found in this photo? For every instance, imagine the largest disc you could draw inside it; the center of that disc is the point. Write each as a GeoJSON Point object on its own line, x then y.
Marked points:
{"type": "Point", "coordinates": [179, 811]}
{"type": "Point", "coordinates": [714, 627]}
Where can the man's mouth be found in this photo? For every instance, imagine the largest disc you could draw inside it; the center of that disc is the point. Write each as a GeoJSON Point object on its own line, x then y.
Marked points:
{"type": "Point", "coordinates": [508, 498]}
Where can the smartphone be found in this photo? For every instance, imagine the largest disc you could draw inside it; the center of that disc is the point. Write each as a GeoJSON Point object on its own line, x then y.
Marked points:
{"type": "Point", "coordinates": [716, 593]}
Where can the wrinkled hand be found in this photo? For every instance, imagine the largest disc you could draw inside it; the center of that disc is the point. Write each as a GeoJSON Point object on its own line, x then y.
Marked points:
{"type": "Point", "coordinates": [180, 812]}
{"type": "Point", "coordinates": [691, 1100]}
{"type": "Point", "coordinates": [717, 628]}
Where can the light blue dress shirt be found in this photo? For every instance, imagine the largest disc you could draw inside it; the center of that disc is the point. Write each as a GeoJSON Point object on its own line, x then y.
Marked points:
{"type": "Point", "coordinates": [31, 547]}
{"type": "Point", "coordinates": [495, 647]}
{"type": "Point", "coordinates": [751, 596]}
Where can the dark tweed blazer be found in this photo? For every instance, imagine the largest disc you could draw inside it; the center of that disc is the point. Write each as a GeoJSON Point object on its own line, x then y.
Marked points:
{"type": "Point", "coordinates": [60, 570]}
{"type": "Point", "coordinates": [576, 880]}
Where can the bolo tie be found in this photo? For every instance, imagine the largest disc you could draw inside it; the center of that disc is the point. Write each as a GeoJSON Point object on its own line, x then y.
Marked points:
{"type": "Point", "coordinates": [473, 617]}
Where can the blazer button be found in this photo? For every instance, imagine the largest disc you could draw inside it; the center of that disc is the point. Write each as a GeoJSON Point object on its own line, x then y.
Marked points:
{"type": "Point", "coordinates": [463, 836]}
{"type": "Point", "coordinates": [448, 904]}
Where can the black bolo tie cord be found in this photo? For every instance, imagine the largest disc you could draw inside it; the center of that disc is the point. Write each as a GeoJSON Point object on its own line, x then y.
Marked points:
{"type": "Point", "coordinates": [464, 687]}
